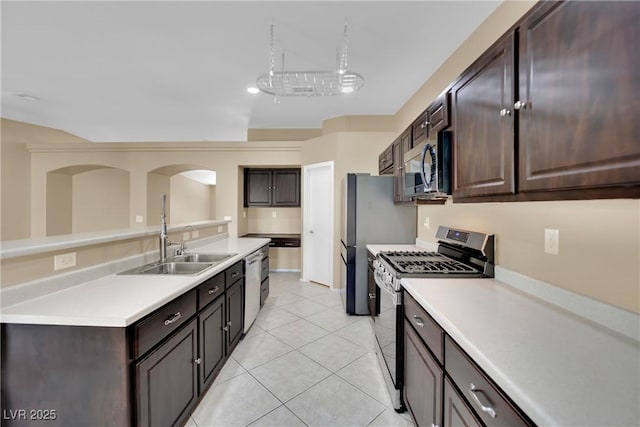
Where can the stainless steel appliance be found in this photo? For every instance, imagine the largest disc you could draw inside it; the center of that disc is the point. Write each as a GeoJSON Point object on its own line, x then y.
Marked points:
{"type": "Point", "coordinates": [252, 277]}
{"type": "Point", "coordinates": [427, 168]}
{"type": "Point", "coordinates": [460, 254]}
{"type": "Point", "coordinates": [368, 217]}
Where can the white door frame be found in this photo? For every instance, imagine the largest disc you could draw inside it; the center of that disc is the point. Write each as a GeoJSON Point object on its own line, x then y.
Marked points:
{"type": "Point", "coordinates": [306, 254]}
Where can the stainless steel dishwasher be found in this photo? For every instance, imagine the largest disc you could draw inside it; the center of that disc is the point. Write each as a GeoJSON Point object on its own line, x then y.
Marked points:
{"type": "Point", "coordinates": [252, 269]}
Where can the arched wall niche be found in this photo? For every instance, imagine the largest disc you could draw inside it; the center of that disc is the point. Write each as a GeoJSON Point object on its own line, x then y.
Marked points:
{"type": "Point", "coordinates": [86, 198]}
{"type": "Point", "coordinates": [187, 200]}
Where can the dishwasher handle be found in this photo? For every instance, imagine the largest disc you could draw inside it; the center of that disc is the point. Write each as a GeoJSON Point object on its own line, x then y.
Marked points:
{"type": "Point", "coordinates": [253, 258]}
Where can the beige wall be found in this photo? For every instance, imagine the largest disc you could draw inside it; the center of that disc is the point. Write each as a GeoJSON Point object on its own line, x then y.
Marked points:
{"type": "Point", "coordinates": [157, 184]}
{"type": "Point", "coordinates": [27, 268]}
{"type": "Point", "coordinates": [15, 173]}
{"type": "Point", "coordinates": [59, 204]}
{"type": "Point", "coordinates": [141, 158]}
{"type": "Point", "coordinates": [100, 200]}
{"type": "Point", "coordinates": [287, 220]}
{"type": "Point", "coordinates": [190, 200]}
{"type": "Point", "coordinates": [599, 242]}
{"type": "Point", "coordinates": [351, 152]}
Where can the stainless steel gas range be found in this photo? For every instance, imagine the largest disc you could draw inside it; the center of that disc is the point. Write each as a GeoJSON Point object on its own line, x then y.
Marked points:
{"type": "Point", "coordinates": [460, 254]}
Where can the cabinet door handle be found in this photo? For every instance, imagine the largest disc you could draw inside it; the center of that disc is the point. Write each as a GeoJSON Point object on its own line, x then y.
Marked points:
{"type": "Point", "coordinates": [235, 274]}
{"type": "Point", "coordinates": [504, 112]}
{"type": "Point", "coordinates": [197, 361]}
{"type": "Point", "coordinates": [372, 296]}
{"type": "Point", "coordinates": [473, 391]}
{"type": "Point", "coordinates": [226, 328]}
{"type": "Point", "coordinates": [214, 290]}
{"type": "Point", "coordinates": [418, 321]}
{"type": "Point", "coordinates": [520, 105]}
{"type": "Point", "coordinates": [424, 125]}
{"type": "Point", "coordinates": [172, 319]}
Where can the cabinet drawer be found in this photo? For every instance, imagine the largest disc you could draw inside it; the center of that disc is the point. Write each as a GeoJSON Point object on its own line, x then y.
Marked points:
{"type": "Point", "coordinates": [151, 330]}
{"type": "Point", "coordinates": [233, 273]}
{"type": "Point", "coordinates": [210, 290]}
{"type": "Point", "coordinates": [265, 269]}
{"type": "Point", "coordinates": [426, 327]}
{"type": "Point", "coordinates": [284, 242]}
{"type": "Point", "coordinates": [498, 410]}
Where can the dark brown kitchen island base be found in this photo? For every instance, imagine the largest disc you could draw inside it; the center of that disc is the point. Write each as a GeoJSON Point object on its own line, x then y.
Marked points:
{"type": "Point", "coordinates": [64, 376]}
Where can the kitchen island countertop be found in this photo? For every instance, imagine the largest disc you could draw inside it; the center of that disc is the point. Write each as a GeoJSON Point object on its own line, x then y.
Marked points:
{"type": "Point", "coordinates": [121, 300]}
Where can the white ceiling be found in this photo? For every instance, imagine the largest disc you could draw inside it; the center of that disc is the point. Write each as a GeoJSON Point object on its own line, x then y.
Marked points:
{"type": "Point", "coordinates": [178, 71]}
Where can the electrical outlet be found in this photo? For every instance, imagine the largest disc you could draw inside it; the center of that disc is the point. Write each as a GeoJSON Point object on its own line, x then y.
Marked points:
{"type": "Point", "coordinates": [185, 236]}
{"type": "Point", "coordinates": [244, 214]}
{"type": "Point", "coordinates": [274, 214]}
{"type": "Point", "coordinates": [551, 241]}
{"type": "Point", "coordinates": [139, 219]}
{"type": "Point", "coordinates": [427, 223]}
{"type": "Point", "coordinates": [64, 261]}
{"type": "Point", "coordinates": [227, 218]}
{"type": "Point", "coordinates": [195, 234]}
{"type": "Point", "coordinates": [220, 229]}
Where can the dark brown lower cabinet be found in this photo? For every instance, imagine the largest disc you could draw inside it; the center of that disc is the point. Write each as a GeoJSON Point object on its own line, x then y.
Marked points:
{"type": "Point", "coordinates": [456, 412]}
{"type": "Point", "coordinates": [211, 321]}
{"type": "Point", "coordinates": [422, 381]}
{"type": "Point", "coordinates": [167, 380]}
{"type": "Point", "coordinates": [264, 291]}
{"type": "Point", "coordinates": [235, 315]}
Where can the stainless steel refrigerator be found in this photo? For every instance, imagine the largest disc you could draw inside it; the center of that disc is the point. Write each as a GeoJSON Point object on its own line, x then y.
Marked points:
{"type": "Point", "coordinates": [368, 217]}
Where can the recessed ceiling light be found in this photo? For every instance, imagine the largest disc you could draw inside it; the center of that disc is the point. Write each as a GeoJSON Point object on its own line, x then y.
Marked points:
{"type": "Point", "coordinates": [27, 97]}
{"type": "Point", "coordinates": [253, 90]}
{"type": "Point", "coordinates": [347, 89]}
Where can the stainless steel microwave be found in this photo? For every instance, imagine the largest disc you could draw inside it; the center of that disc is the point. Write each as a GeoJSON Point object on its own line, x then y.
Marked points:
{"type": "Point", "coordinates": [427, 168]}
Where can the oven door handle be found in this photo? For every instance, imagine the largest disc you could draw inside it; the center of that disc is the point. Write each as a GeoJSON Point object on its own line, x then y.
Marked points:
{"type": "Point", "coordinates": [396, 296]}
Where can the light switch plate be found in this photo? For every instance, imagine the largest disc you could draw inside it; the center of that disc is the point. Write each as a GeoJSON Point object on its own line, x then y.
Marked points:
{"type": "Point", "coordinates": [219, 229]}
{"type": "Point", "coordinates": [274, 214]}
{"type": "Point", "coordinates": [185, 236]}
{"type": "Point", "coordinates": [227, 218]}
{"type": "Point", "coordinates": [195, 234]}
{"type": "Point", "coordinates": [139, 219]}
{"type": "Point", "coordinates": [427, 223]}
{"type": "Point", "coordinates": [67, 260]}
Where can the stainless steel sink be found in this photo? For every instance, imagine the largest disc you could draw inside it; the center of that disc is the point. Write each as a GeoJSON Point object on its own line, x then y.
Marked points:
{"type": "Point", "coordinates": [170, 268]}
{"type": "Point", "coordinates": [196, 257]}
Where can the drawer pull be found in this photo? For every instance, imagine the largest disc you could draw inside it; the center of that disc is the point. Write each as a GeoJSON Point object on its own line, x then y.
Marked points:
{"type": "Point", "coordinates": [235, 274]}
{"type": "Point", "coordinates": [288, 244]}
{"type": "Point", "coordinates": [418, 321]}
{"type": "Point", "coordinates": [173, 319]}
{"type": "Point", "coordinates": [197, 361]}
{"type": "Point", "coordinates": [372, 296]}
{"type": "Point", "coordinates": [485, 408]}
{"type": "Point", "coordinates": [214, 290]}
{"type": "Point", "coordinates": [226, 328]}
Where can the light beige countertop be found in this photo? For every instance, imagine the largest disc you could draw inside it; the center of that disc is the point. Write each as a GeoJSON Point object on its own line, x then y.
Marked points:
{"type": "Point", "coordinates": [120, 300]}
{"type": "Point", "coordinates": [564, 359]}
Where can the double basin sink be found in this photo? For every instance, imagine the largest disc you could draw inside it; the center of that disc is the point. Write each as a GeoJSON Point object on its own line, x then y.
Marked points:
{"type": "Point", "coordinates": [192, 263]}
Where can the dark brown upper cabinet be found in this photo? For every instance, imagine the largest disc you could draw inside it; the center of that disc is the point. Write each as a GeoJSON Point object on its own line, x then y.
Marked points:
{"type": "Point", "coordinates": [579, 103]}
{"type": "Point", "coordinates": [385, 161]}
{"type": "Point", "coordinates": [400, 146]}
{"type": "Point", "coordinates": [420, 129]}
{"type": "Point", "coordinates": [550, 111]}
{"type": "Point", "coordinates": [484, 124]}
{"type": "Point", "coordinates": [439, 113]}
{"type": "Point", "coordinates": [272, 188]}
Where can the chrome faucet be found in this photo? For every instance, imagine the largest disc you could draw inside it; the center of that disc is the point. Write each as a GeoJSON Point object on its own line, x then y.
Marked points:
{"type": "Point", "coordinates": [183, 246]}
{"type": "Point", "coordinates": [164, 237]}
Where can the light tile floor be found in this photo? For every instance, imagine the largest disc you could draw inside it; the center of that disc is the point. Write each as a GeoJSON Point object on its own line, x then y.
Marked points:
{"type": "Point", "coordinates": [303, 363]}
